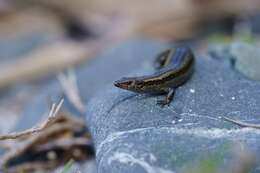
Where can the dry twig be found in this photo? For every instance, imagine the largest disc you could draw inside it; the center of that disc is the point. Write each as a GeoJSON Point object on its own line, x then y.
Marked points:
{"type": "Point", "coordinates": [51, 117]}
{"type": "Point", "coordinates": [70, 88]}
{"type": "Point", "coordinates": [242, 124]}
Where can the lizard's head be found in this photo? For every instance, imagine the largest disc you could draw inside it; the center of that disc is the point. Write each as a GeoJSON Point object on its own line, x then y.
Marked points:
{"type": "Point", "coordinates": [131, 84]}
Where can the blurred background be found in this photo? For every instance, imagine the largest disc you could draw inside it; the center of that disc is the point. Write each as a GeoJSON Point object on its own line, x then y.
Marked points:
{"type": "Point", "coordinates": [40, 38]}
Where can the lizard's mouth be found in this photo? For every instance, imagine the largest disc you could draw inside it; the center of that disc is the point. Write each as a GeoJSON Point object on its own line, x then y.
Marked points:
{"type": "Point", "coordinates": [124, 84]}
{"type": "Point", "coordinates": [121, 84]}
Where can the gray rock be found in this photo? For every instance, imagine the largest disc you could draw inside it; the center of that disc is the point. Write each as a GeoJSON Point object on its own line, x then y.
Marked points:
{"type": "Point", "coordinates": [247, 58]}
{"type": "Point", "coordinates": [134, 135]}
{"type": "Point", "coordinates": [241, 56]}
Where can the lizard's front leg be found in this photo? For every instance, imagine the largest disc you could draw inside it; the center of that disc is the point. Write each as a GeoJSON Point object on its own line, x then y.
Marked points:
{"type": "Point", "coordinates": [168, 98]}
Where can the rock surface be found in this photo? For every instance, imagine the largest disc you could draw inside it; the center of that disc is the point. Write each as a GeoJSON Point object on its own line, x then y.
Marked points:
{"type": "Point", "coordinates": [134, 135]}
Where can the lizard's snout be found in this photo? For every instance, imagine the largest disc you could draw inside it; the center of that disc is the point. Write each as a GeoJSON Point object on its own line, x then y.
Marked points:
{"type": "Point", "coordinates": [120, 84]}
{"type": "Point", "coordinates": [123, 83]}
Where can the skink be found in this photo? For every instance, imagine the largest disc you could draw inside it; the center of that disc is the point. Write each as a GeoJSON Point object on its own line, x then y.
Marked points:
{"type": "Point", "coordinates": [175, 66]}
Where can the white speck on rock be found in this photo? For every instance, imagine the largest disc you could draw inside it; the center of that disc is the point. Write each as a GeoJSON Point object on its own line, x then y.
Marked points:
{"type": "Point", "coordinates": [192, 90]}
{"type": "Point", "coordinates": [180, 120]}
{"type": "Point", "coordinates": [126, 158]}
{"type": "Point", "coordinates": [233, 98]}
{"type": "Point", "coordinates": [173, 121]}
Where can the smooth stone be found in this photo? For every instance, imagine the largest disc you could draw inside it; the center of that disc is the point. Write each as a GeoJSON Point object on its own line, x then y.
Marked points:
{"type": "Point", "coordinates": [247, 59]}
{"type": "Point", "coordinates": [241, 56]}
{"type": "Point", "coordinates": [134, 135]}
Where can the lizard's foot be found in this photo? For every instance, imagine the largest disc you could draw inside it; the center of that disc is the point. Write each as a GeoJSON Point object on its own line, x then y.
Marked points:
{"type": "Point", "coordinates": [163, 103]}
